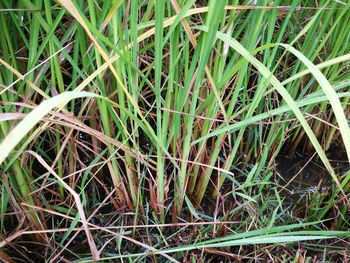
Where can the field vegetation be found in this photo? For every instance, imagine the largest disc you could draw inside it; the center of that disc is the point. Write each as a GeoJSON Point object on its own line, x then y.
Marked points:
{"type": "Point", "coordinates": [152, 131]}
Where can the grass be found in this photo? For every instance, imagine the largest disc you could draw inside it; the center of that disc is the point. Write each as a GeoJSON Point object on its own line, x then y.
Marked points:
{"type": "Point", "coordinates": [148, 130]}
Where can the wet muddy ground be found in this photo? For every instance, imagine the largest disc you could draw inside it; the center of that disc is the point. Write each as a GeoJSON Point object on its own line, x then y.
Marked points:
{"type": "Point", "coordinates": [307, 173]}
{"type": "Point", "coordinates": [301, 176]}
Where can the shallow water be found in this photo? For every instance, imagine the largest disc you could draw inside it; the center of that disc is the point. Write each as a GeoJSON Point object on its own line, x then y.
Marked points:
{"type": "Point", "coordinates": [307, 173]}
{"type": "Point", "coordinates": [303, 173]}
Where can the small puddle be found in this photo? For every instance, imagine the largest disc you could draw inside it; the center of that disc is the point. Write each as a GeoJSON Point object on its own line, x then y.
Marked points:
{"type": "Point", "coordinates": [307, 174]}
{"type": "Point", "coordinates": [304, 178]}
{"type": "Point", "coordinates": [303, 174]}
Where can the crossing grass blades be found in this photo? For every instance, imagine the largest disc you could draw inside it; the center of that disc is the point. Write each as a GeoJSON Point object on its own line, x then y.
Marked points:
{"type": "Point", "coordinates": [180, 131]}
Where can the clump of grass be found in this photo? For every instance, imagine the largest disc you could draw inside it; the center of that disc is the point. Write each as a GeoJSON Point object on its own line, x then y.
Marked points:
{"type": "Point", "coordinates": [149, 129]}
